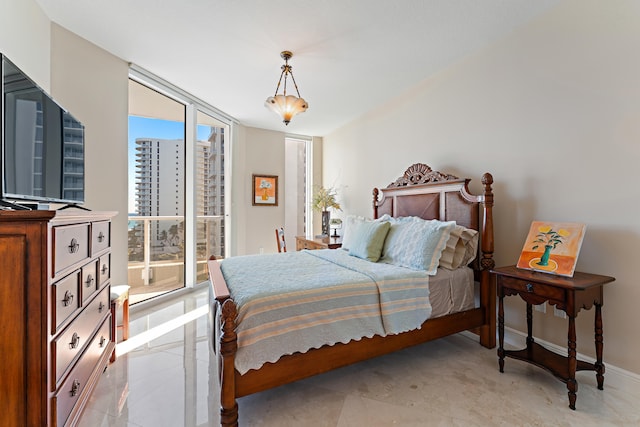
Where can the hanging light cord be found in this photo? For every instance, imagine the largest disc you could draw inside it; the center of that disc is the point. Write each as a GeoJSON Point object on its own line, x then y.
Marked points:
{"type": "Point", "coordinates": [286, 70]}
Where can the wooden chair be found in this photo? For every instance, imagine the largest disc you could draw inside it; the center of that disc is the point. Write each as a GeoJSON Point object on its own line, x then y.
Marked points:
{"type": "Point", "coordinates": [119, 298]}
{"type": "Point", "coordinates": [282, 246]}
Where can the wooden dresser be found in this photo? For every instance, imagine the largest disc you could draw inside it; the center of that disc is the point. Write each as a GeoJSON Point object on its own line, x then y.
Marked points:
{"type": "Point", "coordinates": [56, 333]}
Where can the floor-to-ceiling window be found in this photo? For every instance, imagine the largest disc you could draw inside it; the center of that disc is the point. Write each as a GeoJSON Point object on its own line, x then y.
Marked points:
{"type": "Point", "coordinates": [210, 190]}
{"type": "Point", "coordinates": [176, 190]}
{"type": "Point", "coordinates": [298, 161]}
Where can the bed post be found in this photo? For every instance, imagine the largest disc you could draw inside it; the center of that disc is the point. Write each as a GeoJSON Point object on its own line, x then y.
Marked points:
{"type": "Point", "coordinates": [228, 348]}
{"type": "Point", "coordinates": [488, 288]}
{"type": "Point", "coordinates": [375, 203]}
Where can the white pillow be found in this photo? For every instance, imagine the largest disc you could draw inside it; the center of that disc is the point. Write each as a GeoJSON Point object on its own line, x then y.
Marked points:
{"type": "Point", "coordinates": [350, 223]}
{"type": "Point", "coordinates": [416, 243]}
{"type": "Point", "coordinates": [461, 248]}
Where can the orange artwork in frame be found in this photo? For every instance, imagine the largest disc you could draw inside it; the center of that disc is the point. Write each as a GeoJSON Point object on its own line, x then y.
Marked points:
{"type": "Point", "coordinates": [265, 190]}
{"type": "Point", "coordinates": [552, 247]}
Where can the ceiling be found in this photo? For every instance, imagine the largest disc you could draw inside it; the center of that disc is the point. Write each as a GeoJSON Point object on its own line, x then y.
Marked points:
{"type": "Point", "coordinates": [349, 56]}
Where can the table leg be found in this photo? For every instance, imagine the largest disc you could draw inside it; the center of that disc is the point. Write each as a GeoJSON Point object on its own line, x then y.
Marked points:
{"type": "Point", "coordinates": [500, 328]}
{"type": "Point", "coordinates": [599, 366]}
{"type": "Point", "coordinates": [572, 384]}
{"type": "Point", "coordinates": [529, 325]}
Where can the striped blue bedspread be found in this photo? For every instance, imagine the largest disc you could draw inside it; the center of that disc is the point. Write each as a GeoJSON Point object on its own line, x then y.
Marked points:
{"type": "Point", "coordinates": [295, 301]}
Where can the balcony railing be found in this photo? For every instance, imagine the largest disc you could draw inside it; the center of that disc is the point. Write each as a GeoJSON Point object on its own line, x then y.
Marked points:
{"type": "Point", "coordinates": [156, 252]}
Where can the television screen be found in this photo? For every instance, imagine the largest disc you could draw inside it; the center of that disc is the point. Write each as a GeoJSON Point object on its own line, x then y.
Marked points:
{"type": "Point", "coordinates": [43, 145]}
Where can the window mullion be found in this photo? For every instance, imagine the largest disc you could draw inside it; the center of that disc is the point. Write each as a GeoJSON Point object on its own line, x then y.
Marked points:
{"type": "Point", "coordinates": [190, 195]}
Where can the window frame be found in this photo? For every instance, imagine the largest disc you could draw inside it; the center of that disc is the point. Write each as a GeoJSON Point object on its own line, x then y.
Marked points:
{"type": "Point", "coordinates": [192, 105]}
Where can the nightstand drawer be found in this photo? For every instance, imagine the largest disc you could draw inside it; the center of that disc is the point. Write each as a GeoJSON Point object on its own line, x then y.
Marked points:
{"type": "Point", "coordinates": [524, 286]}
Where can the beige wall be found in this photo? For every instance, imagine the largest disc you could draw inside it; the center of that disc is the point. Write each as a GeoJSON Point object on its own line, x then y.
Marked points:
{"type": "Point", "coordinates": [24, 38]}
{"type": "Point", "coordinates": [257, 151]}
{"type": "Point", "coordinates": [553, 112]}
{"type": "Point", "coordinates": [93, 85]}
{"type": "Point", "coordinates": [260, 151]}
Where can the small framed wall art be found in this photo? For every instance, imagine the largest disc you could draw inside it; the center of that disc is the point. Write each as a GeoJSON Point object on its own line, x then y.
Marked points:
{"type": "Point", "coordinates": [265, 190]}
{"type": "Point", "coordinates": [552, 247]}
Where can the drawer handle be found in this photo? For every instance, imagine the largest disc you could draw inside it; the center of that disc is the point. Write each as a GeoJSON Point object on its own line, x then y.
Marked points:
{"type": "Point", "coordinates": [100, 307]}
{"type": "Point", "coordinates": [75, 341]}
{"type": "Point", "coordinates": [89, 281]}
{"type": "Point", "coordinates": [102, 340]}
{"type": "Point", "coordinates": [100, 237]}
{"type": "Point", "coordinates": [104, 269]}
{"type": "Point", "coordinates": [529, 287]}
{"type": "Point", "coordinates": [68, 299]}
{"type": "Point", "coordinates": [73, 246]}
{"type": "Point", "coordinates": [75, 387]}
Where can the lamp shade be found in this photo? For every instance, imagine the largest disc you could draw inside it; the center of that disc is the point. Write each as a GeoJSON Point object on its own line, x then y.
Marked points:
{"type": "Point", "coordinates": [286, 106]}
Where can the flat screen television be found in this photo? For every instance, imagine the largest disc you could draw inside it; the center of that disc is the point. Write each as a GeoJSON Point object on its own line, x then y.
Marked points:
{"type": "Point", "coordinates": [42, 152]}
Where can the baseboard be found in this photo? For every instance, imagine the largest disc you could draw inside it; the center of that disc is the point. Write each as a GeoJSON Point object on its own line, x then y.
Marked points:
{"type": "Point", "coordinates": [614, 376]}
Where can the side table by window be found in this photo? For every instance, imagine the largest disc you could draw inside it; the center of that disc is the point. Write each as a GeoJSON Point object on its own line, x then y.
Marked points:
{"type": "Point", "coordinates": [570, 294]}
{"type": "Point", "coordinates": [318, 243]}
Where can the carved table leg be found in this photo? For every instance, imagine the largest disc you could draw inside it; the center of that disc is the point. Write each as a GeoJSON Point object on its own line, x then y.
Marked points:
{"type": "Point", "coordinates": [501, 329]}
{"type": "Point", "coordinates": [572, 384]}
{"type": "Point", "coordinates": [529, 326]}
{"type": "Point", "coordinates": [599, 366]}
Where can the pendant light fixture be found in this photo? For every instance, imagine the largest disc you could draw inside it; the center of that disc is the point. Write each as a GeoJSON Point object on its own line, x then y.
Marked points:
{"type": "Point", "coordinates": [285, 105]}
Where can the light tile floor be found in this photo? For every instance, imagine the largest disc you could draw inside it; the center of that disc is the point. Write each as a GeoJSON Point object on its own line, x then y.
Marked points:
{"type": "Point", "coordinates": [168, 378]}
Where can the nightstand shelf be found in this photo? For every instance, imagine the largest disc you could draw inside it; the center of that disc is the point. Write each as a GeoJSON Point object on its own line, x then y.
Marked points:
{"type": "Point", "coordinates": [544, 358]}
{"type": "Point", "coordinates": [569, 294]}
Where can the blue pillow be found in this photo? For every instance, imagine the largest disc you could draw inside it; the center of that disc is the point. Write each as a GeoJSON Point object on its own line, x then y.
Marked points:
{"type": "Point", "coordinates": [416, 243]}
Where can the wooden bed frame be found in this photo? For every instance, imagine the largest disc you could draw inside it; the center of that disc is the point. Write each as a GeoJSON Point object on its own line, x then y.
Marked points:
{"type": "Point", "coordinates": [419, 192]}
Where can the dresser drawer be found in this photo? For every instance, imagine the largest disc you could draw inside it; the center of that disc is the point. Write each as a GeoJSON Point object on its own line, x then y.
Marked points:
{"type": "Point", "coordinates": [73, 386]}
{"type": "Point", "coordinates": [89, 281]}
{"type": "Point", "coordinates": [104, 269]}
{"type": "Point", "coordinates": [70, 246]}
{"type": "Point", "coordinates": [74, 339]}
{"type": "Point", "coordinates": [100, 236]}
{"type": "Point", "coordinates": [538, 289]}
{"type": "Point", "coordinates": [66, 299]}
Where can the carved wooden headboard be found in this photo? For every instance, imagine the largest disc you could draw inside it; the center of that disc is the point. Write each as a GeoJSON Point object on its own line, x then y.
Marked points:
{"type": "Point", "coordinates": [430, 194]}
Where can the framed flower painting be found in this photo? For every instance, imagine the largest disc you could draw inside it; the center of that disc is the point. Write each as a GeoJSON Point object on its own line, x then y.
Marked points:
{"type": "Point", "coordinates": [265, 190]}
{"type": "Point", "coordinates": [552, 247]}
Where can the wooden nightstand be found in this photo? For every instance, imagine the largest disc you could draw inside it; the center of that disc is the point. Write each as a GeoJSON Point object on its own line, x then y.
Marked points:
{"type": "Point", "coordinates": [569, 294]}
{"type": "Point", "coordinates": [318, 243]}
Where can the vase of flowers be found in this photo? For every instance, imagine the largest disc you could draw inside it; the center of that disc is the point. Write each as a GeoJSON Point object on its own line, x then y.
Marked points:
{"type": "Point", "coordinates": [323, 199]}
{"type": "Point", "coordinates": [550, 239]}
